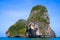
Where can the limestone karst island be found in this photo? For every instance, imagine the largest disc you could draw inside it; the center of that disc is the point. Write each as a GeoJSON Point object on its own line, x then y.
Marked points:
{"type": "Point", "coordinates": [36, 26]}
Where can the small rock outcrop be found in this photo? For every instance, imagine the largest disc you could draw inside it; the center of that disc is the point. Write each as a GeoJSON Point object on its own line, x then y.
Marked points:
{"type": "Point", "coordinates": [18, 29]}
{"type": "Point", "coordinates": [37, 25]}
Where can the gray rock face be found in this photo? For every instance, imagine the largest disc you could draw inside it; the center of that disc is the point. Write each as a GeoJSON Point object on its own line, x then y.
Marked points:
{"type": "Point", "coordinates": [39, 15]}
{"type": "Point", "coordinates": [33, 30]}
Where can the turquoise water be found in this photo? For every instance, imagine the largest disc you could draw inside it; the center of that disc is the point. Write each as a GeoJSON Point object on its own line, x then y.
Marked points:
{"type": "Point", "coordinates": [54, 38]}
{"type": "Point", "coordinates": [5, 38]}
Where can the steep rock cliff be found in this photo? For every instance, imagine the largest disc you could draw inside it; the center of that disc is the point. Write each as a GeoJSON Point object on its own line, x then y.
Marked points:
{"type": "Point", "coordinates": [39, 16]}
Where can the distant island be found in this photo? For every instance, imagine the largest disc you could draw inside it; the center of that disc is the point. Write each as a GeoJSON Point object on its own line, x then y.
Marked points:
{"type": "Point", "coordinates": [36, 26]}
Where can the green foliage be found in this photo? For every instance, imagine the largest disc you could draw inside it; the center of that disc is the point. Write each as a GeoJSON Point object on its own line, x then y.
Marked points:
{"type": "Point", "coordinates": [37, 16]}
{"type": "Point", "coordinates": [39, 7]}
{"type": "Point", "coordinates": [18, 28]}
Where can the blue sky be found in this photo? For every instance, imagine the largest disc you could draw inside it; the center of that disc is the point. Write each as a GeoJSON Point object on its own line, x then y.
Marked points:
{"type": "Point", "coordinates": [13, 10]}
